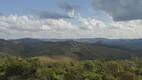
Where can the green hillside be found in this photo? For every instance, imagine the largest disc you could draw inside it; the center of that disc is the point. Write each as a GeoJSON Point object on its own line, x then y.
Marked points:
{"type": "Point", "coordinates": [82, 50]}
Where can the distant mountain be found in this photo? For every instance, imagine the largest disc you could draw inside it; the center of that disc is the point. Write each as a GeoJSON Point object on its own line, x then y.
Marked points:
{"type": "Point", "coordinates": [87, 40]}
{"type": "Point", "coordinates": [111, 41]}
{"type": "Point", "coordinates": [82, 49]}
{"type": "Point", "coordinates": [38, 40]}
{"type": "Point", "coordinates": [25, 40]}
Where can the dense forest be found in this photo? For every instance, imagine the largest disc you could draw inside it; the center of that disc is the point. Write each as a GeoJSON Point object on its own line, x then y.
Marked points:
{"type": "Point", "coordinates": [18, 68]}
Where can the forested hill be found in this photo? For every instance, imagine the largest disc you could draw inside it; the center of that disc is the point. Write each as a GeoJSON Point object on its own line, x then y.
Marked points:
{"type": "Point", "coordinates": [80, 50]}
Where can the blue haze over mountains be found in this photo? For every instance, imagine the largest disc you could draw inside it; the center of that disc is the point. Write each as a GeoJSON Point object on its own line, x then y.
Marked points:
{"type": "Point", "coordinates": [86, 40]}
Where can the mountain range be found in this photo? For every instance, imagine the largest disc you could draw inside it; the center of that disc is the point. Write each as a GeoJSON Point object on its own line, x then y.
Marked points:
{"type": "Point", "coordinates": [88, 40]}
{"type": "Point", "coordinates": [81, 49]}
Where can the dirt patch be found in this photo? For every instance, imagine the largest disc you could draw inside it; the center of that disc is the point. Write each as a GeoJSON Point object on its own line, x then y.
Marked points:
{"type": "Point", "coordinates": [56, 58]}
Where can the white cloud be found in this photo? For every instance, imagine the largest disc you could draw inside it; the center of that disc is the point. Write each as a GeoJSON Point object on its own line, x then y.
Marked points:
{"type": "Point", "coordinates": [69, 8]}
{"type": "Point", "coordinates": [24, 23]}
{"type": "Point", "coordinates": [91, 23]}
{"type": "Point", "coordinates": [71, 13]}
{"type": "Point", "coordinates": [14, 26]}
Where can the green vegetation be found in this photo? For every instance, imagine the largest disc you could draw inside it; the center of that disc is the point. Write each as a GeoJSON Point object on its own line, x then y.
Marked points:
{"type": "Point", "coordinates": [87, 51]}
{"type": "Point", "coordinates": [56, 61]}
{"type": "Point", "coordinates": [18, 68]}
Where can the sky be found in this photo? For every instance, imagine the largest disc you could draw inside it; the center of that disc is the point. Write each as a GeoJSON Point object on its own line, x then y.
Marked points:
{"type": "Point", "coordinates": [113, 19]}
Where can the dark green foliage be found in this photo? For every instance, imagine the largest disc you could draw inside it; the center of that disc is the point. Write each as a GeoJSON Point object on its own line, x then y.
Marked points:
{"type": "Point", "coordinates": [18, 68]}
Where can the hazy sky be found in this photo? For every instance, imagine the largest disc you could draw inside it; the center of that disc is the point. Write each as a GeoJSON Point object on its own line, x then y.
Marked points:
{"type": "Point", "coordinates": [70, 19]}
